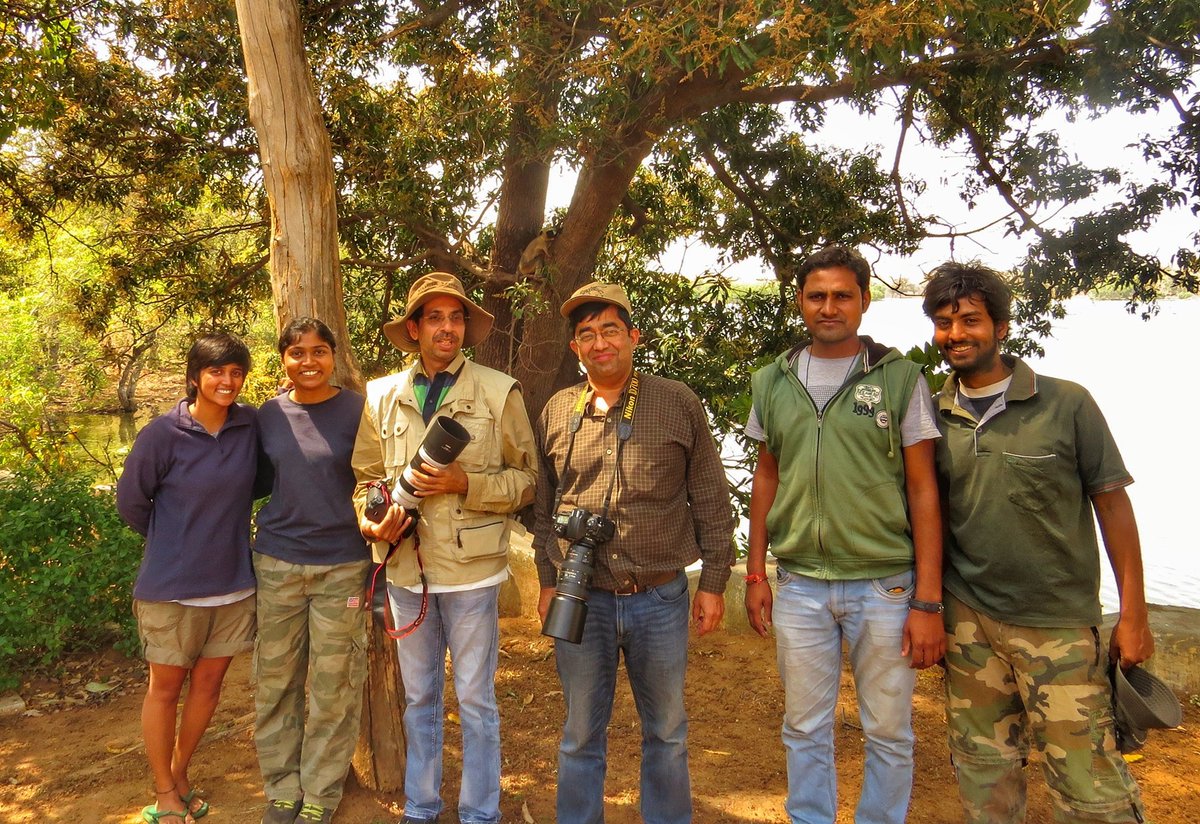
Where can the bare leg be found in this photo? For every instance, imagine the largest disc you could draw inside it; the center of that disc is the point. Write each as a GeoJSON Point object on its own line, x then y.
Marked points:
{"type": "Point", "coordinates": [204, 692]}
{"type": "Point", "coordinates": [158, 731]}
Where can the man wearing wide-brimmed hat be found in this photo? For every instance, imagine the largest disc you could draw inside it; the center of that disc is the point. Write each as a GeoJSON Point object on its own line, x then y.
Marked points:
{"type": "Point", "coordinates": [461, 540]}
{"type": "Point", "coordinates": [637, 449]}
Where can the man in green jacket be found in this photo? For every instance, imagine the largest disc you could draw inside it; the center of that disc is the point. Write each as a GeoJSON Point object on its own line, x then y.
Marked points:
{"type": "Point", "coordinates": [845, 495]}
{"type": "Point", "coordinates": [1024, 461]}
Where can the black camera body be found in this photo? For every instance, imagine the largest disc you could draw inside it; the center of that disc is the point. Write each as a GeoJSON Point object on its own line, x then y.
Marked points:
{"type": "Point", "coordinates": [580, 525]}
{"type": "Point", "coordinates": [568, 608]}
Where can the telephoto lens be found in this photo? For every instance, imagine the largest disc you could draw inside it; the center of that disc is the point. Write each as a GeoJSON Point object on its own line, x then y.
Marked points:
{"type": "Point", "coordinates": [444, 441]}
{"type": "Point", "coordinates": [568, 608]}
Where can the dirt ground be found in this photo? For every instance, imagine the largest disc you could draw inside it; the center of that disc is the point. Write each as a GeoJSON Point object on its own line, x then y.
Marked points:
{"type": "Point", "coordinates": [75, 755]}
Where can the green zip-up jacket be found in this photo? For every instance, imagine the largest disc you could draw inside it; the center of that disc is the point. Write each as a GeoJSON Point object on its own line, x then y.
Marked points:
{"type": "Point", "coordinates": [841, 512]}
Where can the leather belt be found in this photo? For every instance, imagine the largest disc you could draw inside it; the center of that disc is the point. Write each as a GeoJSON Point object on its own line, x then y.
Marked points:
{"type": "Point", "coordinates": [656, 579]}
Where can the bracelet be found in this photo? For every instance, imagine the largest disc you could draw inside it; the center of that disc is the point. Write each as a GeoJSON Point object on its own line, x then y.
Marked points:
{"type": "Point", "coordinates": [756, 578]}
{"type": "Point", "coordinates": [934, 607]}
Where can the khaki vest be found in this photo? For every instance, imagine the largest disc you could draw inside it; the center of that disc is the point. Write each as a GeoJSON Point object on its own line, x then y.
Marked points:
{"type": "Point", "coordinates": [458, 545]}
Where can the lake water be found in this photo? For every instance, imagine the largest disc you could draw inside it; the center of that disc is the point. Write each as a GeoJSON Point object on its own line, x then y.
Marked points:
{"type": "Point", "coordinates": [1120, 358]}
{"type": "Point", "coordinates": [1124, 362]}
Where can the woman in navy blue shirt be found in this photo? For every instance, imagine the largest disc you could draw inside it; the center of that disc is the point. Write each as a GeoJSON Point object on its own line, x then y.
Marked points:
{"type": "Point", "coordinates": [311, 563]}
{"type": "Point", "coordinates": [187, 486]}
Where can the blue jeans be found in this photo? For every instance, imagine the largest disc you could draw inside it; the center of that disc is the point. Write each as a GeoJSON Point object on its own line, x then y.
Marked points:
{"type": "Point", "coordinates": [651, 630]}
{"type": "Point", "coordinates": [811, 618]}
{"type": "Point", "coordinates": [466, 623]}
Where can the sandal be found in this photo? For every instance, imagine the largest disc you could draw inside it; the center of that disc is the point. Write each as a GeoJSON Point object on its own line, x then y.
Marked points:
{"type": "Point", "coordinates": [151, 814]}
{"type": "Point", "coordinates": [200, 811]}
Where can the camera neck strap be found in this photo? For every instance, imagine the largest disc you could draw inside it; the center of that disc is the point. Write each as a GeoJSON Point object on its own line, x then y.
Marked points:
{"type": "Point", "coordinates": [624, 431]}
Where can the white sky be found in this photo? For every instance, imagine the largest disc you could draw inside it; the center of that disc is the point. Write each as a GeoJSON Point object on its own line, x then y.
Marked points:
{"type": "Point", "coordinates": [1107, 141]}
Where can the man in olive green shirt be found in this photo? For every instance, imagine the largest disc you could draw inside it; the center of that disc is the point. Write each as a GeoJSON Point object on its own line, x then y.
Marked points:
{"type": "Point", "coordinates": [1023, 462]}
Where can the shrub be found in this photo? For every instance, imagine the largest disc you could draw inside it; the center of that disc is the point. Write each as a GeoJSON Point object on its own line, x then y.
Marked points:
{"type": "Point", "coordinates": [67, 566]}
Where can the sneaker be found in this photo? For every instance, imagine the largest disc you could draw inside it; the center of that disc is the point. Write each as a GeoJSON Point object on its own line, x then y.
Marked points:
{"type": "Point", "coordinates": [313, 814]}
{"type": "Point", "coordinates": [408, 819]}
{"type": "Point", "coordinates": [280, 811]}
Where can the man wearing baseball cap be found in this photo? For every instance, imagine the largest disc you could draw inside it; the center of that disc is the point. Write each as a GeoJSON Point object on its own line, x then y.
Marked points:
{"type": "Point", "coordinates": [460, 545]}
{"type": "Point", "coordinates": [636, 449]}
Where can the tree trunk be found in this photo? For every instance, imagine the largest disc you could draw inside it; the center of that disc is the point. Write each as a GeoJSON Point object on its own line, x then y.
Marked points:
{"type": "Point", "coordinates": [379, 759]}
{"type": "Point", "coordinates": [545, 363]}
{"type": "Point", "coordinates": [297, 164]}
{"type": "Point", "coordinates": [132, 370]}
{"type": "Point", "coordinates": [518, 221]}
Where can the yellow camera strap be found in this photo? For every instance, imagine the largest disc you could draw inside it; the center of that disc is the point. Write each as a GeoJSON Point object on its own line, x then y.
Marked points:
{"type": "Point", "coordinates": [624, 431]}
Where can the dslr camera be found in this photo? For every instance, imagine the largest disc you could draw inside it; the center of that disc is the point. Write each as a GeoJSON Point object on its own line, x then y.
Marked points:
{"type": "Point", "coordinates": [568, 608]}
{"type": "Point", "coordinates": [444, 441]}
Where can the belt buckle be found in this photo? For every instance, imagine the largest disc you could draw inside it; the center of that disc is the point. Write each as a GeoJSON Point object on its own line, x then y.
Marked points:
{"type": "Point", "coordinates": [633, 590]}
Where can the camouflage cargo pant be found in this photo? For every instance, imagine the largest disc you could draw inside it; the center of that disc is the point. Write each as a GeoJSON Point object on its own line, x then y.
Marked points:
{"type": "Point", "coordinates": [1008, 687]}
{"type": "Point", "coordinates": [312, 628]}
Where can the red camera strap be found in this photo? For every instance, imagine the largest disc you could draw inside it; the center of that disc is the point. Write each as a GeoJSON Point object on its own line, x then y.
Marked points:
{"type": "Point", "coordinates": [389, 630]}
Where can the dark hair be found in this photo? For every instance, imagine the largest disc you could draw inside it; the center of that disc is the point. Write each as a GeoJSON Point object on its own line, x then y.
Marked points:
{"type": "Point", "coordinates": [953, 282]}
{"type": "Point", "coordinates": [834, 256]}
{"type": "Point", "coordinates": [216, 349]}
{"type": "Point", "coordinates": [299, 326]}
{"type": "Point", "coordinates": [587, 311]}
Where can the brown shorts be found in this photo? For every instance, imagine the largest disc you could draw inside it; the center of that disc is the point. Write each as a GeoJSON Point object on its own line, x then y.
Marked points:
{"type": "Point", "coordinates": [179, 635]}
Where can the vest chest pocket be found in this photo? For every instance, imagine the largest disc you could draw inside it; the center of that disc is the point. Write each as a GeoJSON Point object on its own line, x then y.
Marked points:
{"type": "Point", "coordinates": [477, 419]}
{"type": "Point", "coordinates": [393, 437]}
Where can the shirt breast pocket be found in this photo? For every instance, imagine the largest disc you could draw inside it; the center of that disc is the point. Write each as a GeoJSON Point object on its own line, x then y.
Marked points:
{"type": "Point", "coordinates": [1030, 480]}
{"type": "Point", "coordinates": [654, 464]}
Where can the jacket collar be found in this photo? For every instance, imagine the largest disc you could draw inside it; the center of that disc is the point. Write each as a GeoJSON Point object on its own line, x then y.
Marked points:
{"type": "Point", "coordinates": [462, 388]}
{"type": "Point", "coordinates": [239, 415]}
{"type": "Point", "coordinates": [874, 354]}
{"type": "Point", "coordinates": [455, 365]}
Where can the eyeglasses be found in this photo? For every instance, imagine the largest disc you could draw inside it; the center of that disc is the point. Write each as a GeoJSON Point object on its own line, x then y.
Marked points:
{"type": "Point", "coordinates": [609, 333]}
{"type": "Point", "coordinates": [438, 318]}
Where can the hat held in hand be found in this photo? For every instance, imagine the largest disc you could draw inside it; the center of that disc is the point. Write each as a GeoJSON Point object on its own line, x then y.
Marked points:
{"type": "Point", "coordinates": [1141, 702]}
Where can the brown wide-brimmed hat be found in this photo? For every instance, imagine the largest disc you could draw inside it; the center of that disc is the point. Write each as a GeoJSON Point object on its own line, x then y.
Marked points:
{"type": "Point", "coordinates": [479, 322]}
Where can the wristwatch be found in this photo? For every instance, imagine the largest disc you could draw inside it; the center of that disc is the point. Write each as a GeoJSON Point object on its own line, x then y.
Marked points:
{"type": "Point", "coordinates": [936, 607]}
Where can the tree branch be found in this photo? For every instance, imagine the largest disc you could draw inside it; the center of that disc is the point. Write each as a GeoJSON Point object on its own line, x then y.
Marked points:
{"type": "Point", "coordinates": [27, 445]}
{"type": "Point", "coordinates": [385, 265]}
{"type": "Point", "coordinates": [758, 218]}
{"type": "Point", "coordinates": [429, 20]}
{"type": "Point", "coordinates": [731, 89]}
{"type": "Point", "coordinates": [987, 168]}
{"type": "Point", "coordinates": [906, 119]}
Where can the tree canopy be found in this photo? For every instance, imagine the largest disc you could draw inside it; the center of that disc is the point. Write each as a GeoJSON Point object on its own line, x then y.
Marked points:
{"type": "Point", "coordinates": [683, 120]}
{"type": "Point", "coordinates": [440, 125]}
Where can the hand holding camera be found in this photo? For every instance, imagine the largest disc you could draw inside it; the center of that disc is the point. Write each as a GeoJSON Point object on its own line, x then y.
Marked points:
{"type": "Point", "coordinates": [384, 520]}
{"type": "Point", "coordinates": [390, 513]}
